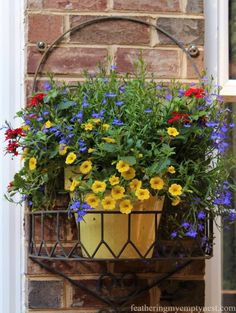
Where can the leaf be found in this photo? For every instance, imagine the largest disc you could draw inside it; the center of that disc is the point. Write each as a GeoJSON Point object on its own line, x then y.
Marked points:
{"type": "Point", "coordinates": [65, 105]}
{"type": "Point", "coordinates": [109, 147]}
{"type": "Point", "coordinates": [129, 159]}
{"type": "Point", "coordinates": [158, 167]}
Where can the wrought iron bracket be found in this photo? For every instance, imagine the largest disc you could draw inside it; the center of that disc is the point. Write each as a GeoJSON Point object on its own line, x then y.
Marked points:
{"type": "Point", "coordinates": [135, 288]}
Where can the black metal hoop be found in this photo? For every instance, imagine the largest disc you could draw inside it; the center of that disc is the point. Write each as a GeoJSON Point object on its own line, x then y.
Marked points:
{"type": "Point", "coordinates": [104, 19]}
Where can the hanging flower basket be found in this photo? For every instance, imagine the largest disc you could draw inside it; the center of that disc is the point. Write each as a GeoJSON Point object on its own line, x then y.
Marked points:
{"type": "Point", "coordinates": [126, 144]}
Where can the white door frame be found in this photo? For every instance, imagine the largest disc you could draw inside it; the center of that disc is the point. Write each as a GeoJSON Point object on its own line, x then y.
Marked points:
{"type": "Point", "coordinates": [11, 99]}
{"type": "Point", "coordinates": [217, 65]}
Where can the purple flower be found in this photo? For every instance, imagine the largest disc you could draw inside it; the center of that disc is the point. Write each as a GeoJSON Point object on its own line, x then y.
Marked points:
{"type": "Point", "coordinates": [191, 233]}
{"type": "Point", "coordinates": [86, 206]}
{"type": "Point", "coordinates": [232, 125]}
{"type": "Point", "coordinates": [148, 111]}
{"type": "Point", "coordinates": [212, 124]}
{"type": "Point", "coordinates": [201, 215]}
{"type": "Point", "coordinates": [181, 92]}
{"type": "Point", "coordinates": [201, 227]}
{"type": "Point", "coordinates": [47, 86]}
{"type": "Point", "coordinates": [122, 89]}
{"type": "Point", "coordinates": [119, 103]}
{"type": "Point", "coordinates": [85, 102]}
{"type": "Point", "coordinates": [174, 234]}
{"type": "Point", "coordinates": [114, 67]}
{"type": "Point", "coordinates": [158, 87]}
{"type": "Point", "coordinates": [185, 224]}
{"type": "Point", "coordinates": [75, 205]}
{"type": "Point", "coordinates": [45, 113]}
{"type": "Point", "coordinates": [80, 215]}
{"type": "Point", "coordinates": [169, 97]}
{"type": "Point", "coordinates": [110, 94]}
{"type": "Point", "coordinates": [117, 122]}
{"type": "Point", "coordinates": [40, 118]}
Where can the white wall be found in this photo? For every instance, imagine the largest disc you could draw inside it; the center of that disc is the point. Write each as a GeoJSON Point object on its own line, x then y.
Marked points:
{"type": "Point", "coordinates": [11, 95]}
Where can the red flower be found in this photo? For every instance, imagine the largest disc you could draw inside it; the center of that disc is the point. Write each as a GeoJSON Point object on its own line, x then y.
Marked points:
{"type": "Point", "coordinates": [12, 147]}
{"type": "Point", "coordinates": [195, 92]}
{"type": "Point", "coordinates": [178, 117]}
{"type": "Point", "coordinates": [10, 185]}
{"type": "Point", "coordinates": [13, 133]}
{"type": "Point", "coordinates": [35, 100]}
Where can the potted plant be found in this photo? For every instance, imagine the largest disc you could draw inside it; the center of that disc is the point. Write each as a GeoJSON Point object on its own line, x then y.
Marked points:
{"type": "Point", "coordinates": [126, 144]}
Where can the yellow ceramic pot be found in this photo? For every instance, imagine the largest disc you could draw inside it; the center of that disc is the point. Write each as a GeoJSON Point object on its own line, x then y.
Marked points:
{"type": "Point", "coordinates": [115, 235]}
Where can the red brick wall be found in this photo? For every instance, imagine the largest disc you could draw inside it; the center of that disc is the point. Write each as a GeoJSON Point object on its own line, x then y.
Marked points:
{"type": "Point", "coordinates": [47, 19]}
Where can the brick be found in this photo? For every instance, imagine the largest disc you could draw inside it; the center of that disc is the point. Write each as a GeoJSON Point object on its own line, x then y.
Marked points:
{"type": "Point", "coordinates": [68, 60]}
{"type": "Point", "coordinates": [182, 293]}
{"type": "Point", "coordinates": [83, 299]}
{"type": "Point", "coordinates": [184, 30]}
{"type": "Point", "coordinates": [34, 4]}
{"type": "Point", "coordinates": [163, 63]}
{"type": "Point", "coordinates": [152, 6]}
{"type": "Point", "coordinates": [81, 5]}
{"type": "Point", "coordinates": [110, 32]}
{"type": "Point", "coordinates": [45, 294]}
{"type": "Point", "coordinates": [42, 27]}
{"type": "Point", "coordinates": [69, 268]}
{"type": "Point", "coordinates": [194, 7]}
{"type": "Point", "coordinates": [199, 61]}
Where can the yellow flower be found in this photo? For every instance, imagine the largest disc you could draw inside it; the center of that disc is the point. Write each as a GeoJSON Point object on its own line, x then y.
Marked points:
{"type": "Point", "coordinates": [135, 184]}
{"type": "Point", "coordinates": [157, 183]}
{"type": "Point", "coordinates": [25, 127]}
{"type": "Point", "coordinates": [175, 190]}
{"type": "Point", "coordinates": [88, 126]}
{"type": "Point", "coordinates": [63, 149]}
{"type": "Point", "coordinates": [71, 157]}
{"type": "Point", "coordinates": [32, 163]}
{"type": "Point", "coordinates": [91, 150]}
{"type": "Point", "coordinates": [117, 192]}
{"type": "Point", "coordinates": [92, 200]}
{"type": "Point", "coordinates": [128, 175]}
{"type": "Point", "coordinates": [171, 170]}
{"type": "Point", "coordinates": [48, 124]}
{"type": "Point", "coordinates": [105, 126]}
{"type": "Point", "coordinates": [176, 201]}
{"type": "Point", "coordinates": [142, 194]}
{"type": "Point", "coordinates": [126, 206]}
{"type": "Point", "coordinates": [98, 186]}
{"type": "Point", "coordinates": [96, 120]}
{"type": "Point", "coordinates": [122, 166]}
{"type": "Point", "coordinates": [140, 155]}
{"type": "Point", "coordinates": [108, 203]}
{"type": "Point", "coordinates": [109, 139]}
{"type": "Point", "coordinates": [24, 154]}
{"type": "Point", "coordinates": [172, 131]}
{"type": "Point", "coordinates": [114, 180]}
{"type": "Point", "coordinates": [85, 167]}
{"type": "Point", "coordinates": [74, 184]}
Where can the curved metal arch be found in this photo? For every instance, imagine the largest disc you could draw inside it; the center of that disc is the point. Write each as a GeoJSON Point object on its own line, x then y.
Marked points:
{"type": "Point", "coordinates": [104, 19]}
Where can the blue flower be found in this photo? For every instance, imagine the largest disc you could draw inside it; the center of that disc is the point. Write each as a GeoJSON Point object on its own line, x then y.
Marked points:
{"type": "Point", "coordinates": [47, 86]}
{"type": "Point", "coordinates": [174, 234]}
{"type": "Point", "coordinates": [119, 103]}
{"type": "Point", "coordinates": [181, 92]}
{"type": "Point", "coordinates": [117, 122]}
{"type": "Point", "coordinates": [80, 215]}
{"type": "Point", "coordinates": [86, 206]}
{"type": "Point", "coordinates": [191, 233]}
{"type": "Point", "coordinates": [84, 102]}
{"type": "Point", "coordinates": [169, 97]}
{"type": "Point", "coordinates": [45, 113]}
{"type": "Point", "coordinates": [110, 94]}
{"type": "Point", "coordinates": [185, 224]}
{"type": "Point", "coordinates": [122, 89]}
{"type": "Point", "coordinates": [75, 205]}
{"type": "Point", "coordinates": [201, 215]}
{"type": "Point", "coordinates": [148, 111]}
{"type": "Point", "coordinates": [114, 67]}
{"type": "Point", "coordinates": [40, 118]}
{"type": "Point", "coordinates": [201, 227]}
{"type": "Point", "coordinates": [212, 124]}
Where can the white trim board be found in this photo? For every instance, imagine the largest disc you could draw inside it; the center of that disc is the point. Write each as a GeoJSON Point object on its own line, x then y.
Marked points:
{"type": "Point", "coordinates": [11, 99]}
{"type": "Point", "coordinates": [212, 54]}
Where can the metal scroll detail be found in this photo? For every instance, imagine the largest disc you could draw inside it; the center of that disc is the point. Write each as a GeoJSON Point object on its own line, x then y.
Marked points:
{"type": "Point", "coordinates": [83, 25]}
